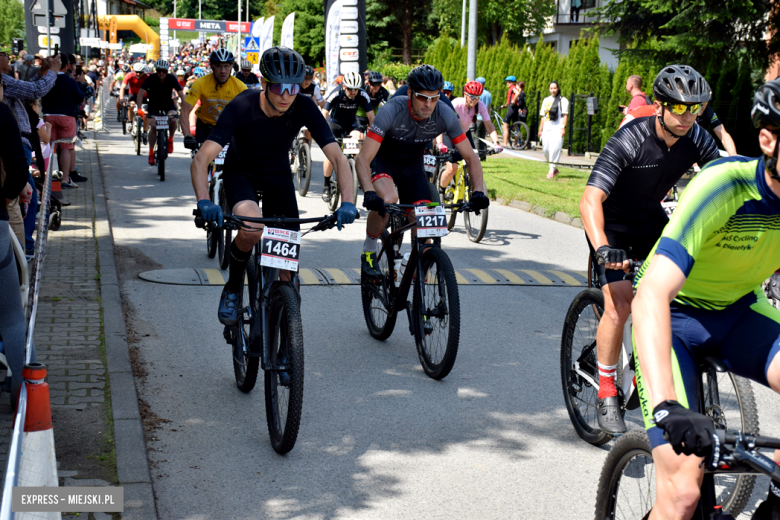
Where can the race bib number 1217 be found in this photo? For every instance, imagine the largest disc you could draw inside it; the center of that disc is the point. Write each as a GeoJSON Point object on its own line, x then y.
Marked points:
{"type": "Point", "coordinates": [431, 222]}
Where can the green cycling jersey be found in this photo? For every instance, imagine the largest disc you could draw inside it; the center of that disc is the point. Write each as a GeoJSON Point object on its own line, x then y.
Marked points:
{"type": "Point", "coordinates": [727, 221]}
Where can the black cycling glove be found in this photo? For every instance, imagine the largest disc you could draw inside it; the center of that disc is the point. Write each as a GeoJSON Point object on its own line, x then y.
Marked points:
{"type": "Point", "coordinates": [611, 255]}
{"type": "Point", "coordinates": [479, 201]}
{"type": "Point", "coordinates": [689, 432]}
{"type": "Point", "coordinates": [373, 202]}
{"type": "Point", "coordinates": [190, 143]}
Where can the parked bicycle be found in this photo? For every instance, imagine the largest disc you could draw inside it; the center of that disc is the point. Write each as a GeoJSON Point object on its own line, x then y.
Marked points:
{"type": "Point", "coordinates": [351, 148]}
{"type": "Point", "coordinates": [300, 162]}
{"type": "Point", "coordinates": [434, 311]}
{"type": "Point", "coordinates": [458, 191]}
{"type": "Point", "coordinates": [269, 332]}
{"type": "Point", "coordinates": [519, 135]}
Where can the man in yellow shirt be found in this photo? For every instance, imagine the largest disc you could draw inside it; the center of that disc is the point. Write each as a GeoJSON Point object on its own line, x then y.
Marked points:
{"type": "Point", "coordinates": [214, 91]}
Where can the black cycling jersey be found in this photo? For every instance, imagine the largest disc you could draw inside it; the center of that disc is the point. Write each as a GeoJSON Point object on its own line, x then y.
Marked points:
{"type": "Point", "coordinates": [159, 93]}
{"type": "Point", "coordinates": [343, 110]}
{"type": "Point", "coordinates": [312, 91]}
{"type": "Point", "coordinates": [403, 137]}
{"type": "Point", "coordinates": [381, 95]}
{"type": "Point", "coordinates": [709, 119]}
{"type": "Point", "coordinates": [636, 169]}
{"type": "Point", "coordinates": [259, 144]}
{"type": "Point", "coordinates": [250, 80]}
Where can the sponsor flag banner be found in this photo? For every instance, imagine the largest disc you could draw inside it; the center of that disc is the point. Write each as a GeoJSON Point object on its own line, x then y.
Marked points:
{"type": "Point", "coordinates": [267, 36]}
{"type": "Point", "coordinates": [287, 31]}
{"type": "Point", "coordinates": [345, 38]}
{"type": "Point", "coordinates": [257, 28]}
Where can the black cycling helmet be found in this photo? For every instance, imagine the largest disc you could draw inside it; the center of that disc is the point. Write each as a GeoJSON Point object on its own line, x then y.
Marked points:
{"type": "Point", "coordinates": [681, 84]}
{"type": "Point", "coordinates": [766, 105]}
{"type": "Point", "coordinates": [425, 77]}
{"type": "Point", "coordinates": [309, 73]}
{"type": "Point", "coordinates": [221, 56]}
{"type": "Point", "coordinates": [282, 65]}
{"type": "Point", "coordinates": [374, 77]}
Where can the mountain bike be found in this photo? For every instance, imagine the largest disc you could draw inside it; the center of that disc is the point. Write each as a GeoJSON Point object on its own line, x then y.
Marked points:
{"type": "Point", "coordinates": [626, 486]}
{"type": "Point", "coordinates": [217, 238]}
{"type": "Point", "coordinates": [138, 128]}
{"type": "Point", "coordinates": [123, 115]}
{"type": "Point", "coordinates": [161, 123]}
{"type": "Point", "coordinates": [519, 135]}
{"type": "Point", "coordinates": [300, 162]}
{"type": "Point", "coordinates": [350, 147]}
{"type": "Point", "coordinates": [434, 310]}
{"type": "Point", "coordinates": [580, 379]}
{"type": "Point", "coordinates": [459, 190]}
{"type": "Point", "coordinates": [269, 333]}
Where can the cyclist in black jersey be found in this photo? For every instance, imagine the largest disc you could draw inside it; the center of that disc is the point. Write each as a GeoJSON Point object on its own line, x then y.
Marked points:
{"type": "Point", "coordinates": [341, 108]}
{"type": "Point", "coordinates": [377, 94]}
{"type": "Point", "coordinates": [246, 75]}
{"type": "Point", "coordinates": [260, 126]}
{"type": "Point", "coordinates": [392, 155]}
{"type": "Point", "coordinates": [621, 206]}
{"type": "Point", "coordinates": [159, 88]}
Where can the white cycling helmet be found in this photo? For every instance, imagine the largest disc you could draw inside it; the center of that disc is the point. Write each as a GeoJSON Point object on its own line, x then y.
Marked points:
{"type": "Point", "coordinates": [161, 64]}
{"type": "Point", "coordinates": [246, 65]}
{"type": "Point", "coordinates": [138, 67]}
{"type": "Point", "coordinates": [352, 80]}
{"type": "Point", "coordinates": [148, 69]}
{"type": "Point", "coordinates": [180, 72]}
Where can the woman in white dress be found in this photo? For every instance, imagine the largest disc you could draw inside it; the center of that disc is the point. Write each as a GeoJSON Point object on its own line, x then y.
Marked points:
{"type": "Point", "coordinates": [552, 128]}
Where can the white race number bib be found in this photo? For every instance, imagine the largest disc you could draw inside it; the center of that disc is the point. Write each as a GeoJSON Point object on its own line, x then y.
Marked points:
{"type": "Point", "coordinates": [431, 222]}
{"type": "Point", "coordinates": [429, 163]}
{"type": "Point", "coordinates": [161, 123]}
{"type": "Point", "coordinates": [281, 248]}
{"type": "Point", "coordinates": [221, 157]}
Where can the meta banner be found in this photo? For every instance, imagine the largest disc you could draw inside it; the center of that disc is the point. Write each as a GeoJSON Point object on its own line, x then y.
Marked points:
{"type": "Point", "coordinates": [212, 26]}
{"type": "Point", "coordinates": [345, 38]}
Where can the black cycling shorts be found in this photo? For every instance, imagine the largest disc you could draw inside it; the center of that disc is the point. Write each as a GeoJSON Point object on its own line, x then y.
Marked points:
{"type": "Point", "coordinates": [160, 108]}
{"type": "Point", "coordinates": [637, 239]}
{"type": "Point", "coordinates": [278, 193]}
{"type": "Point", "coordinates": [341, 131]}
{"type": "Point", "coordinates": [513, 114]}
{"type": "Point", "coordinates": [202, 131]}
{"type": "Point", "coordinates": [410, 179]}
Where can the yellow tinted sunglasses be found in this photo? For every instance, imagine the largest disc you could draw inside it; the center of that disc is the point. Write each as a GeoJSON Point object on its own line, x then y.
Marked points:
{"type": "Point", "coordinates": [680, 108]}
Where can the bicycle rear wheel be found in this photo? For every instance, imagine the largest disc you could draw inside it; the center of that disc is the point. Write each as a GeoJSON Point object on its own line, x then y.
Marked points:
{"type": "Point", "coordinates": [223, 247]}
{"type": "Point", "coordinates": [284, 388]}
{"type": "Point", "coordinates": [303, 172]}
{"type": "Point", "coordinates": [626, 488]}
{"type": "Point", "coordinates": [736, 412]}
{"type": "Point", "coordinates": [124, 120]}
{"type": "Point", "coordinates": [378, 298]}
{"type": "Point", "coordinates": [212, 233]}
{"type": "Point", "coordinates": [519, 135]}
{"type": "Point", "coordinates": [162, 151]}
{"type": "Point", "coordinates": [245, 368]}
{"type": "Point", "coordinates": [578, 349]}
{"type": "Point", "coordinates": [138, 135]}
{"type": "Point", "coordinates": [475, 224]}
{"type": "Point", "coordinates": [436, 314]}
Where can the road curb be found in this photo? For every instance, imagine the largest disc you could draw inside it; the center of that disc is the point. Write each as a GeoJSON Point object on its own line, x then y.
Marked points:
{"type": "Point", "coordinates": [559, 216]}
{"type": "Point", "coordinates": [131, 459]}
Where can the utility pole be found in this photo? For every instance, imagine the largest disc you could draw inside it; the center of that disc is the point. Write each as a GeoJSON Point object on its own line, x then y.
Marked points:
{"type": "Point", "coordinates": [174, 15]}
{"type": "Point", "coordinates": [471, 63]}
{"type": "Point", "coordinates": [463, 26]}
{"type": "Point", "coordinates": [238, 38]}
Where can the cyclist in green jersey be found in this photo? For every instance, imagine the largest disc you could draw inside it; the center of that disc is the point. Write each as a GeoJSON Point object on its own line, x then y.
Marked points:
{"type": "Point", "coordinates": [699, 294]}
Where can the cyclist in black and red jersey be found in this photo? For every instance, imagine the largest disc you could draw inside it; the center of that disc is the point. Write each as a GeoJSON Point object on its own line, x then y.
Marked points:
{"type": "Point", "coordinates": [392, 155]}
{"type": "Point", "coordinates": [132, 83]}
{"type": "Point", "coordinates": [621, 206]}
{"type": "Point", "coordinates": [160, 88]}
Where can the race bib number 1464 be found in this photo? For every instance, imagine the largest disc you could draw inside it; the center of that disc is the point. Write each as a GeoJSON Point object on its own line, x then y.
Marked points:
{"type": "Point", "coordinates": [281, 248]}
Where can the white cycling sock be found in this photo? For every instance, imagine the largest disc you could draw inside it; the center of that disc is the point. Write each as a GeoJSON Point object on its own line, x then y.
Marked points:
{"type": "Point", "coordinates": [369, 246]}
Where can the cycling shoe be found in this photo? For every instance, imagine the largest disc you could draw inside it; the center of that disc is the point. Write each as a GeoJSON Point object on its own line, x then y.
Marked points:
{"type": "Point", "coordinates": [228, 308]}
{"type": "Point", "coordinates": [609, 416]}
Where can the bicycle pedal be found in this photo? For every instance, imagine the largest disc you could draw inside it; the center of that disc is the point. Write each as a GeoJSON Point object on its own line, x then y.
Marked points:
{"type": "Point", "coordinates": [229, 336]}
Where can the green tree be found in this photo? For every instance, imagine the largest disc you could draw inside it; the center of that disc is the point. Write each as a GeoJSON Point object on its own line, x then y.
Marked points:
{"type": "Point", "coordinates": [12, 16]}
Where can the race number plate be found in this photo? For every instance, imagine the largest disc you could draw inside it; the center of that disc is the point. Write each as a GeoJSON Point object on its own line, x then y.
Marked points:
{"type": "Point", "coordinates": [161, 123]}
{"type": "Point", "coordinates": [431, 222]}
{"type": "Point", "coordinates": [429, 163]}
{"type": "Point", "coordinates": [351, 146]}
{"type": "Point", "coordinates": [281, 248]}
{"type": "Point", "coordinates": [221, 157]}
{"type": "Point", "coordinates": [669, 207]}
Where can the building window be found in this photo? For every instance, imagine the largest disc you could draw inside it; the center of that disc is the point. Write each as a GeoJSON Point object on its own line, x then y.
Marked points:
{"type": "Point", "coordinates": [588, 4]}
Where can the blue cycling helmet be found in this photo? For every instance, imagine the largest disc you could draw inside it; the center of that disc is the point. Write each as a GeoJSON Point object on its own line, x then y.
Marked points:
{"type": "Point", "coordinates": [197, 70]}
{"type": "Point", "coordinates": [448, 86]}
{"type": "Point", "coordinates": [480, 80]}
{"type": "Point", "coordinates": [510, 78]}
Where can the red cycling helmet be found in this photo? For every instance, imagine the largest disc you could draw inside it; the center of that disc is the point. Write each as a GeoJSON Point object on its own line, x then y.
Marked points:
{"type": "Point", "coordinates": [473, 87]}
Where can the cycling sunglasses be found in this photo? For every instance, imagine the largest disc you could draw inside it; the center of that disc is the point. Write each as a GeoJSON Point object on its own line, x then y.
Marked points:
{"type": "Point", "coordinates": [424, 98]}
{"type": "Point", "coordinates": [472, 96]}
{"type": "Point", "coordinates": [680, 108]}
{"type": "Point", "coordinates": [377, 84]}
{"type": "Point", "coordinates": [280, 88]}
{"type": "Point", "coordinates": [164, 71]}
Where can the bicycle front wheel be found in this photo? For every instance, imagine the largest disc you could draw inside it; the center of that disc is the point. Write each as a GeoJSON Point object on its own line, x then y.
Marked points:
{"type": "Point", "coordinates": [735, 412]}
{"type": "Point", "coordinates": [436, 314]}
{"type": "Point", "coordinates": [245, 367]}
{"type": "Point", "coordinates": [626, 487]}
{"type": "Point", "coordinates": [223, 247]}
{"type": "Point", "coordinates": [138, 135]}
{"type": "Point", "coordinates": [284, 378]}
{"type": "Point", "coordinates": [162, 150]}
{"type": "Point", "coordinates": [355, 184]}
{"type": "Point", "coordinates": [519, 135]}
{"type": "Point", "coordinates": [124, 121]}
{"type": "Point", "coordinates": [333, 201]}
{"type": "Point", "coordinates": [303, 172]}
{"type": "Point", "coordinates": [476, 225]}
{"type": "Point", "coordinates": [212, 233]}
{"type": "Point", "coordinates": [579, 365]}
{"type": "Point", "coordinates": [378, 297]}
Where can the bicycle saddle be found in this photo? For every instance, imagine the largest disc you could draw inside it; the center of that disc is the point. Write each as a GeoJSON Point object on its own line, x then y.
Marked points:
{"type": "Point", "coordinates": [713, 362]}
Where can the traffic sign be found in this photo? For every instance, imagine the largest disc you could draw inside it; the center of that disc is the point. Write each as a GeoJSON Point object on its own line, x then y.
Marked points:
{"type": "Point", "coordinates": [253, 57]}
{"type": "Point", "coordinates": [58, 13]}
{"type": "Point", "coordinates": [252, 44]}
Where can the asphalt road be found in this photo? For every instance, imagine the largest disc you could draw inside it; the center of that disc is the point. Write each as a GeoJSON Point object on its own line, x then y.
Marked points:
{"type": "Point", "coordinates": [378, 438]}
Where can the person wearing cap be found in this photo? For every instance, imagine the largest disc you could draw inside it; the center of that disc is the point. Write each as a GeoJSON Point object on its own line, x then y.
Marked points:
{"type": "Point", "coordinates": [515, 105]}
{"type": "Point", "coordinates": [487, 99]}
{"type": "Point", "coordinates": [25, 69]}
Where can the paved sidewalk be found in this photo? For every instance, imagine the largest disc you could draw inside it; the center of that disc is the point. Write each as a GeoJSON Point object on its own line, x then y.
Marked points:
{"type": "Point", "coordinates": [78, 296]}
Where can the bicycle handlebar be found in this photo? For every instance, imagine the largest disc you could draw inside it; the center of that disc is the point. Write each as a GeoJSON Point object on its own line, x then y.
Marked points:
{"type": "Point", "coordinates": [236, 222]}
{"type": "Point", "coordinates": [401, 208]}
{"type": "Point", "coordinates": [743, 448]}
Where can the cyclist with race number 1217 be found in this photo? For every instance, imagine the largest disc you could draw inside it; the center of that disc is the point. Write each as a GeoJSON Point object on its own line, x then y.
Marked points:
{"type": "Point", "coordinates": [621, 206]}
{"type": "Point", "coordinates": [392, 155]}
{"type": "Point", "coordinates": [260, 126]}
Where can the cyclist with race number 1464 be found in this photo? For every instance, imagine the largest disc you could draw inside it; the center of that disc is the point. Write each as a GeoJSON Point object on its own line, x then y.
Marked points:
{"type": "Point", "coordinates": [260, 126]}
